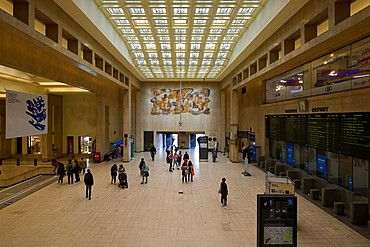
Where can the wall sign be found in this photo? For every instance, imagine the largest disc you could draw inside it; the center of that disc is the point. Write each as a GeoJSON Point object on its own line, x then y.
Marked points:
{"type": "Point", "coordinates": [320, 109]}
{"type": "Point", "coordinates": [26, 114]}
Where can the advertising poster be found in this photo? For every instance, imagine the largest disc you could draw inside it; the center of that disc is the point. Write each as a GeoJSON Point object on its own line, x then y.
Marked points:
{"type": "Point", "coordinates": [26, 114]}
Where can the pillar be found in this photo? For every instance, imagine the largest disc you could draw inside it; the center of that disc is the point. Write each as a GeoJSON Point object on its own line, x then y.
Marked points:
{"type": "Point", "coordinates": [222, 139]}
{"type": "Point", "coordinates": [234, 118]}
{"type": "Point", "coordinates": [126, 124]}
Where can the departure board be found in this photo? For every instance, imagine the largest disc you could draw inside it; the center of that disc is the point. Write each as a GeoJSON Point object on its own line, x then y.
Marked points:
{"type": "Point", "coordinates": [347, 134]}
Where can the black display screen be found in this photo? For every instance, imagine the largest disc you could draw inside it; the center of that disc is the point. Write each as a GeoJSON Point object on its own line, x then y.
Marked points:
{"type": "Point", "coordinates": [347, 134]}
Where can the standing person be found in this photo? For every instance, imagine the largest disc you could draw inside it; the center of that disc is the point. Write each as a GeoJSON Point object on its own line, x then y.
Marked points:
{"type": "Point", "coordinates": [119, 151]}
{"type": "Point", "coordinates": [76, 170]}
{"type": "Point", "coordinates": [153, 151]}
{"type": "Point", "coordinates": [168, 151]}
{"type": "Point", "coordinates": [184, 172]}
{"type": "Point", "coordinates": [145, 173]}
{"type": "Point", "coordinates": [216, 145]}
{"type": "Point", "coordinates": [186, 157]}
{"type": "Point", "coordinates": [179, 158]}
{"type": "Point", "coordinates": [224, 192]}
{"type": "Point", "coordinates": [191, 171]}
{"type": "Point", "coordinates": [121, 169]}
{"type": "Point", "coordinates": [113, 173]}
{"type": "Point", "coordinates": [244, 150]}
{"type": "Point", "coordinates": [249, 154]}
{"type": "Point", "coordinates": [83, 165]}
{"type": "Point", "coordinates": [55, 164]}
{"type": "Point", "coordinates": [214, 155]}
{"type": "Point", "coordinates": [70, 167]}
{"type": "Point", "coordinates": [142, 162]}
{"type": "Point", "coordinates": [169, 161]}
{"type": "Point", "coordinates": [61, 172]}
{"type": "Point", "coordinates": [174, 158]}
{"type": "Point", "coordinates": [89, 182]}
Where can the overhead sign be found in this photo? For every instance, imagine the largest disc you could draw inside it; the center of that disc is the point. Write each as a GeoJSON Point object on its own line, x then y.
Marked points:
{"type": "Point", "coordinates": [26, 114]}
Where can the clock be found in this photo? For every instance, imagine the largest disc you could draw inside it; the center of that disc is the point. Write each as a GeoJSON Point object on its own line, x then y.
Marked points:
{"type": "Point", "coordinates": [302, 105]}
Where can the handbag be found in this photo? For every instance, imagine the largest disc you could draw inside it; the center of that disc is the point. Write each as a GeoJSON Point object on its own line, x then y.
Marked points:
{"type": "Point", "coordinates": [219, 190]}
{"type": "Point", "coordinates": [147, 174]}
{"type": "Point", "coordinates": [192, 173]}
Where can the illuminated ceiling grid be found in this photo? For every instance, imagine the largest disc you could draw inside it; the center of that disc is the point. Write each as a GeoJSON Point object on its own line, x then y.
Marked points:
{"type": "Point", "coordinates": [180, 39]}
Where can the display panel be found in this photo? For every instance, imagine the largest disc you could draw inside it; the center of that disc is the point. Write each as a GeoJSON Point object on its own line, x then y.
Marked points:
{"type": "Point", "coordinates": [347, 134]}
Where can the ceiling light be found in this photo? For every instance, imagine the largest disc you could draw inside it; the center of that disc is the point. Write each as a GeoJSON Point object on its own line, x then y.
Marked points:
{"type": "Point", "coordinates": [224, 11]}
{"type": "Point", "coordinates": [214, 38]}
{"type": "Point", "coordinates": [138, 54]}
{"type": "Point", "coordinates": [52, 84]}
{"type": "Point", "coordinates": [210, 46]}
{"type": "Point", "coordinates": [238, 22]}
{"type": "Point", "coordinates": [122, 22]}
{"type": "Point", "coordinates": [208, 55]}
{"type": "Point", "coordinates": [137, 11]}
{"type": "Point", "coordinates": [165, 46]}
{"type": "Point", "coordinates": [115, 11]}
{"type": "Point", "coordinates": [141, 22]}
{"type": "Point", "coordinates": [219, 22]}
{"type": "Point", "coordinates": [135, 46]}
{"type": "Point", "coordinates": [167, 62]}
{"type": "Point", "coordinates": [166, 54]}
{"type": "Point", "coordinates": [129, 38]}
{"type": "Point", "coordinates": [180, 38]}
{"type": "Point", "coordinates": [164, 37]}
{"type": "Point", "coordinates": [127, 30]}
{"type": "Point", "coordinates": [159, 11]}
{"type": "Point", "coordinates": [233, 30]}
{"type": "Point", "coordinates": [145, 30]}
{"type": "Point", "coordinates": [147, 38]}
{"type": "Point", "coordinates": [196, 37]}
{"type": "Point", "coordinates": [160, 22]}
{"type": "Point", "coordinates": [180, 11]}
{"type": "Point", "coordinates": [245, 11]}
{"type": "Point", "coordinates": [201, 11]}
{"type": "Point", "coordinates": [222, 55]}
{"type": "Point", "coordinates": [150, 46]}
{"type": "Point", "coordinates": [180, 46]}
{"type": "Point", "coordinates": [215, 30]}
{"type": "Point", "coordinates": [162, 30]}
{"type": "Point", "coordinates": [180, 22]}
{"type": "Point", "coordinates": [152, 54]}
{"type": "Point", "coordinates": [180, 54]}
{"type": "Point", "coordinates": [200, 22]}
{"type": "Point", "coordinates": [67, 90]}
{"type": "Point", "coordinates": [180, 31]}
{"type": "Point", "coordinates": [225, 46]}
{"type": "Point", "coordinates": [195, 46]}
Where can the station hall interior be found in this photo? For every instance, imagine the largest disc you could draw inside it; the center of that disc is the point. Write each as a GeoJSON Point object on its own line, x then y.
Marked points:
{"type": "Point", "coordinates": [279, 88]}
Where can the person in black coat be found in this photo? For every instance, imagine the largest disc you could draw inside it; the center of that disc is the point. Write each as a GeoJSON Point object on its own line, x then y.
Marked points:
{"type": "Point", "coordinates": [89, 182]}
{"type": "Point", "coordinates": [61, 172]}
{"type": "Point", "coordinates": [224, 192]}
{"type": "Point", "coordinates": [153, 151]}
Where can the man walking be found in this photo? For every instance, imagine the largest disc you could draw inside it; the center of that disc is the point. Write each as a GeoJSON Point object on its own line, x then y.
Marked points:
{"type": "Point", "coordinates": [153, 151]}
{"type": "Point", "coordinates": [89, 182]}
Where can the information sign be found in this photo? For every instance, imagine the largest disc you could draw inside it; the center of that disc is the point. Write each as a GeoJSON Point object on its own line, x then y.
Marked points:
{"type": "Point", "coordinates": [203, 148]}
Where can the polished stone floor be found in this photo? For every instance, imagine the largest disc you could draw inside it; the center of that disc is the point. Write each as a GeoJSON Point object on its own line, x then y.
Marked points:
{"type": "Point", "coordinates": [155, 214]}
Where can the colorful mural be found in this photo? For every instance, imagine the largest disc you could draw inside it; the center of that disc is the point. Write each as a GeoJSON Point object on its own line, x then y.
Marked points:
{"type": "Point", "coordinates": [167, 101]}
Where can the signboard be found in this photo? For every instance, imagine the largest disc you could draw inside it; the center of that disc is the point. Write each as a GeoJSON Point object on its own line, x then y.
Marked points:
{"type": "Point", "coordinates": [321, 165]}
{"type": "Point", "coordinates": [242, 134]}
{"type": "Point", "coordinates": [26, 114]}
{"type": "Point", "coordinates": [290, 154]}
{"type": "Point", "coordinates": [203, 148]}
{"type": "Point", "coordinates": [276, 220]}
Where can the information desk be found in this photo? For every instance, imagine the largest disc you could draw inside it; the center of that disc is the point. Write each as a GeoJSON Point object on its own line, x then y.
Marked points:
{"type": "Point", "coordinates": [276, 220]}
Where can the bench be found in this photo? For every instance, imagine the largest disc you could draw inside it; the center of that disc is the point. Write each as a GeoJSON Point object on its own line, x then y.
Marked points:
{"type": "Point", "coordinates": [314, 194]}
{"type": "Point", "coordinates": [339, 208]}
{"type": "Point", "coordinates": [359, 213]}
{"type": "Point", "coordinates": [330, 195]}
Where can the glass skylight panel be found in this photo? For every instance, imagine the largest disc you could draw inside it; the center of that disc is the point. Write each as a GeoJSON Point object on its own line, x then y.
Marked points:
{"type": "Point", "coordinates": [115, 11]}
{"type": "Point", "coordinates": [164, 37]}
{"type": "Point", "coordinates": [224, 11]}
{"type": "Point", "coordinates": [229, 38]}
{"type": "Point", "coordinates": [165, 46]}
{"type": "Point", "coordinates": [141, 22]}
{"type": "Point", "coordinates": [138, 54]}
{"type": "Point", "coordinates": [225, 46]}
{"type": "Point", "coordinates": [152, 54]}
{"type": "Point", "coordinates": [180, 31]}
{"type": "Point", "coordinates": [195, 46]}
{"type": "Point", "coordinates": [127, 30]}
{"type": "Point", "coordinates": [222, 55]}
{"type": "Point", "coordinates": [206, 62]}
{"type": "Point", "coordinates": [180, 46]}
{"type": "Point", "coordinates": [180, 22]}
{"type": "Point", "coordinates": [180, 38]}
{"type": "Point", "coordinates": [210, 46]}
{"type": "Point", "coordinates": [200, 22]}
{"type": "Point", "coordinates": [167, 62]}
{"type": "Point", "coordinates": [180, 54]}
{"type": "Point", "coordinates": [145, 30]}
{"type": "Point", "coordinates": [238, 22]}
{"type": "Point", "coordinates": [150, 46]}
{"type": "Point", "coordinates": [137, 11]}
{"type": "Point", "coordinates": [213, 38]}
{"type": "Point", "coordinates": [233, 30]}
{"type": "Point", "coordinates": [201, 11]}
{"type": "Point", "coordinates": [192, 68]}
{"type": "Point", "coordinates": [198, 31]}
{"type": "Point", "coordinates": [245, 11]}
{"type": "Point", "coordinates": [196, 37]}
{"type": "Point", "coordinates": [122, 22]}
{"type": "Point", "coordinates": [219, 62]}
{"type": "Point", "coordinates": [208, 55]}
{"type": "Point", "coordinates": [194, 54]}
{"type": "Point", "coordinates": [141, 62]}
{"type": "Point", "coordinates": [193, 62]}
{"type": "Point", "coordinates": [147, 38]}
{"type": "Point", "coordinates": [159, 11]}
{"type": "Point", "coordinates": [215, 30]}
{"type": "Point", "coordinates": [180, 62]}
{"type": "Point", "coordinates": [160, 22]}
{"type": "Point", "coordinates": [108, 1]}
{"type": "Point", "coordinates": [154, 62]}
{"type": "Point", "coordinates": [162, 30]}
{"type": "Point", "coordinates": [180, 11]}
{"type": "Point", "coordinates": [219, 22]}
{"type": "Point", "coordinates": [135, 46]}
{"type": "Point", "coordinates": [166, 54]}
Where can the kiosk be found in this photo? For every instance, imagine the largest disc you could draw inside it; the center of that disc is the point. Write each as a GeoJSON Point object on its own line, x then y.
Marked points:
{"type": "Point", "coordinates": [203, 148]}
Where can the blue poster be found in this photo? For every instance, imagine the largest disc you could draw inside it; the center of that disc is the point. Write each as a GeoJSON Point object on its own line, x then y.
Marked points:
{"type": "Point", "coordinates": [290, 153]}
{"type": "Point", "coordinates": [350, 184]}
{"type": "Point", "coordinates": [321, 165]}
{"type": "Point", "coordinates": [252, 138]}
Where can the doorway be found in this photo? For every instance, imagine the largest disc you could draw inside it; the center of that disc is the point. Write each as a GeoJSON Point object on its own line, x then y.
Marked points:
{"type": "Point", "coordinates": [148, 140]}
{"type": "Point", "coordinates": [69, 144]}
{"type": "Point", "coordinates": [84, 144]}
{"type": "Point", "coordinates": [19, 145]}
{"type": "Point", "coordinates": [33, 145]}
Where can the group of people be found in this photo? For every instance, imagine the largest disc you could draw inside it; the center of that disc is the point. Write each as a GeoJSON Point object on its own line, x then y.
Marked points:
{"type": "Point", "coordinates": [122, 176]}
{"type": "Point", "coordinates": [247, 153]}
{"type": "Point", "coordinates": [187, 168]}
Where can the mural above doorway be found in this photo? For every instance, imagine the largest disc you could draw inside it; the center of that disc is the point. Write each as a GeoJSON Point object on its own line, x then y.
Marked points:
{"type": "Point", "coordinates": [167, 101]}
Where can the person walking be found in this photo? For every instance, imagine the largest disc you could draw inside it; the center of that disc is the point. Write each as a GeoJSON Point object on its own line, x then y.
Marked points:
{"type": "Point", "coordinates": [185, 171]}
{"type": "Point", "coordinates": [89, 182]}
{"type": "Point", "coordinates": [145, 173]}
{"type": "Point", "coordinates": [174, 158]}
{"type": "Point", "coordinates": [153, 151]}
{"type": "Point", "coordinates": [70, 168]}
{"type": "Point", "coordinates": [76, 170]}
{"type": "Point", "coordinates": [186, 157]}
{"type": "Point", "coordinates": [191, 171]}
{"type": "Point", "coordinates": [61, 172]}
{"type": "Point", "coordinates": [55, 164]}
{"type": "Point", "coordinates": [113, 173]}
{"type": "Point", "coordinates": [169, 161]}
{"type": "Point", "coordinates": [224, 192]}
{"type": "Point", "coordinates": [168, 151]}
{"type": "Point", "coordinates": [83, 165]}
{"type": "Point", "coordinates": [142, 162]}
{"type": "Point", "coordinates": [214, 155]}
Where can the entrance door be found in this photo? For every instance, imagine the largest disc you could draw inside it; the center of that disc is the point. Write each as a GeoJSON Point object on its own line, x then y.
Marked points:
{"type": "Point", "coordinates": [193, 140]}
{"type": "Point", "coordinates": [148, 140]}
{"type": "Point", "coordinates": [19, 145]}
{"type": "Point", "coordinates": [70, 144]}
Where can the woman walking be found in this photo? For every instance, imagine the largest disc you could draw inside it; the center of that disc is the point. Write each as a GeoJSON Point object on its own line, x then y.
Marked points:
{"type": "Point", "coordinates": [113, 173]}
{"type": "Point", "coordinates": [169, 161]}
{"type": "Point", "coordinates": [191, 171]}
{"type": "Point", "coordinates": [145, 173]}
{"type": "Point", "coordinates": [185, 171]}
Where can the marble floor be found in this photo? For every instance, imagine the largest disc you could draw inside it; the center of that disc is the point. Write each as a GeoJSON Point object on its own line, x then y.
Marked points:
{"type": "Point", "coordinates": [155, 214]}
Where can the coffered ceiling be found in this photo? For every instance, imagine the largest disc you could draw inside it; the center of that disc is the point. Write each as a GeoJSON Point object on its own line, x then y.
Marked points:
{"type": "Point", "coordinates": [189, 39]}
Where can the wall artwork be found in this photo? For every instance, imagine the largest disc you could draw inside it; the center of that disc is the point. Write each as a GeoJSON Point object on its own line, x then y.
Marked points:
{"type": "Point", "coordinates": [167, 101]}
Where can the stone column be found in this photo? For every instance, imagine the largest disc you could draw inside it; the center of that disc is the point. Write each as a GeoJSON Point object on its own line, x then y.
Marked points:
{"type": "Point", "coordinates": [126, 125]}
{"type": "Point", "coordinates": [234, 118]}
{"type": "Point", "coordinates": [138, 125]}
{"type": "Point", "coordinates": [222, 131]}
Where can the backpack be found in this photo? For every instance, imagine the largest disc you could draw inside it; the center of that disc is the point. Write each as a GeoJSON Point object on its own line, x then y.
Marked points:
{"type": "Point", "coordinates": [70, 168]}
{"type": "Point", "coordinates": [87, 178]}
